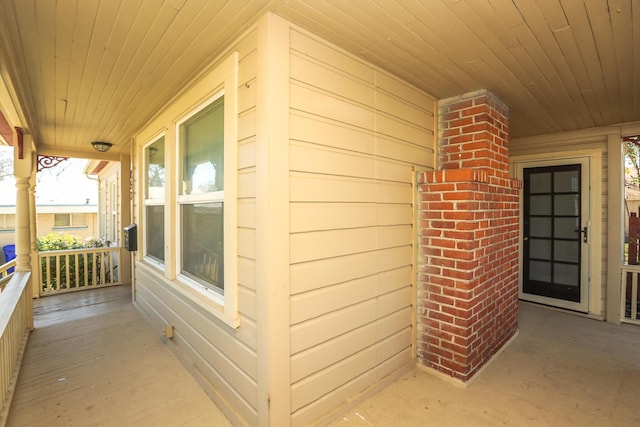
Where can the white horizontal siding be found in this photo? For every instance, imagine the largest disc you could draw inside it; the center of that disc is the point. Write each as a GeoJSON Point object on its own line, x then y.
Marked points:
{"type": "Point", "coordinates": [224, 359]}
{"type": "Point", "coordinates": [357, 136]}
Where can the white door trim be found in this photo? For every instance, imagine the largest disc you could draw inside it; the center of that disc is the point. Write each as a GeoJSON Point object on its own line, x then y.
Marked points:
{"type": "Point", "coordinates": [591, 296]}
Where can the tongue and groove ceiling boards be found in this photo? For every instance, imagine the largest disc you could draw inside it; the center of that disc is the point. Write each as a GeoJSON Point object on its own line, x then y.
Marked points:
{"type": "Point", "coordinates": [88, 70]}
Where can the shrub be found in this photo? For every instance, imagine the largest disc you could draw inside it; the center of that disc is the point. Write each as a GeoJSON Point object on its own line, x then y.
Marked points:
{"type": "Point", "coordinates": [61, 241]}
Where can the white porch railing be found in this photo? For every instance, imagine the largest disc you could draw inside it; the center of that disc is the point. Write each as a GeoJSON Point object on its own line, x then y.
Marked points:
{"type": "Point", "coordinates": [76, 269]}
{"type": "Point", "coordinates": [5, 275]}
{"type": "Point", "coordinates": [629, 301]}
{"type": "Point", "coordinates": [16, 320]}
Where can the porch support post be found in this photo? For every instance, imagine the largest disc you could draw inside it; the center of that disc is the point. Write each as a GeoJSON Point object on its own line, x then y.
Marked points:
{"type": "Point", "coordinates": [35, 262]}
{"type": "Point", "coordinates": [467, 300]}
{"type": "Point", "coordinates": [615, 228]}
{"type": "Point", "coordinates": [23, 169]}
{"type": "Point", "coordinates": [125, 272]}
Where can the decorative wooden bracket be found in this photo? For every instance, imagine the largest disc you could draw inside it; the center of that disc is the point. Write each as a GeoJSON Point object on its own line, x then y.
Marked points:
{"type": "Point", "coordinates": [20, 143]}
{"type": "Point", "coordinates": [46, 162]}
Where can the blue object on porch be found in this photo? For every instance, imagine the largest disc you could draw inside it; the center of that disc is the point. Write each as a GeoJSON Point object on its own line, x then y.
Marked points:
{"type": "Point", "coordinates": [9, 254]}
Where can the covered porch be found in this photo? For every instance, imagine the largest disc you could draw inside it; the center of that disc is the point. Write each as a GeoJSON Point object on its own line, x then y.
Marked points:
{"type": "Point", "coordinates": [93, 360]}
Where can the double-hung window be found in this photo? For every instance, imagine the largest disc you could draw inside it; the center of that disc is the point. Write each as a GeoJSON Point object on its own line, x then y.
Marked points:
{"type": "Point", "coordinates": [154, 158]}
{"type": "Point", "coordinates": [201, 195]}
{"type": "Point", "coordinates": [190, 222]}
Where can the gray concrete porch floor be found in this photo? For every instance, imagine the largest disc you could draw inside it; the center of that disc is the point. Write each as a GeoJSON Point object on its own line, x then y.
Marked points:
{"type": "Point", "coordinates": [94, 361]}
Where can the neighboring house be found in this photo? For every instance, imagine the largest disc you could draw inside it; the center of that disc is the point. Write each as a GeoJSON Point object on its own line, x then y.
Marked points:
{"type": "Point", "coordinates": [77, 220]}
{"type": "Point", "coordinates": [109, 209]}
{"type": "Point", "coordinates": [310, 225]}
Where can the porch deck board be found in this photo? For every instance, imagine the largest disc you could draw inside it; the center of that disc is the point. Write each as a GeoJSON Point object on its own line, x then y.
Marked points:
{"type": "Point", "coordinates": [93, 361]}
{"type": "Point", "coordinates": [561, 370]}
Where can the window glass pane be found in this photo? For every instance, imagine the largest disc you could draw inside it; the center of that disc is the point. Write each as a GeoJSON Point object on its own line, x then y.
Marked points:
{"type": "Point", "coordinates": [203, 243]}
{"type": "Point", "coordinates": [78, 219]}
{"type": "Point", "coordinates": [154, 155]}
{"type": "Point", "coordinates": [61, 220]}
{"type": "Point", "coordinates": [155, 232]}
{"type": "Point", "coordinates": [202, 148]}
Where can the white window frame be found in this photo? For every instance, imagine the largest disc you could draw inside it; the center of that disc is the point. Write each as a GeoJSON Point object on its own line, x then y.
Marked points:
{"type": "Point", "coordinates": [148, 201]}
{"type": "Point", "coordinates": [226, 302]}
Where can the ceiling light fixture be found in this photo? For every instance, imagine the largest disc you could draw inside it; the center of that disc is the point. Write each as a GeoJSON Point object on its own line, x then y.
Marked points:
{"type": "Point", "coordinates": [102, 147]}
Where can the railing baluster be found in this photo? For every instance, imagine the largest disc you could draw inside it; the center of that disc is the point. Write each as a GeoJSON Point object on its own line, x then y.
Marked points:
{"type": "Point", "coordinates": [67, 278]}
{"type": "Point", "coordinates": [57, 263]}
{"type": "Point", "coordinates": [112, 277]}
{"type": "Point", "coordinates": [49, 284]}
{"type": "Point", "coordinates": [85, 268]}
{"type": "Point", "coordinates": [76, 261]}
{"type": "Point", "coordinates": [103, 267]}
{"type": "Point", "coordinates": [634, 296]}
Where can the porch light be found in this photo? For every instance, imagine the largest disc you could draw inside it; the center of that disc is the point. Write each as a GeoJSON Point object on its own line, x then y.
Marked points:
{"type": "Point", "coordinates": [102, 147]}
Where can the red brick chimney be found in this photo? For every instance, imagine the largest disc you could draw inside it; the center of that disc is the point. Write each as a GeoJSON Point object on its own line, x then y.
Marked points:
{"type": "Point", "coordinates": [468, 282]}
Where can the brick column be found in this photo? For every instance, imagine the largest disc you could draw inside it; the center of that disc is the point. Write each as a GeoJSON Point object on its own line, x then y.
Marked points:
{"type": "Point", "coordinates": [468, 282]}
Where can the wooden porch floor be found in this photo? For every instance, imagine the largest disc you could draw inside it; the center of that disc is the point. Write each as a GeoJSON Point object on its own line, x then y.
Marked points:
{"type": "Point", "coordinates": [561, 370]}
{"type": "Point", "coordinates": [93, 361]}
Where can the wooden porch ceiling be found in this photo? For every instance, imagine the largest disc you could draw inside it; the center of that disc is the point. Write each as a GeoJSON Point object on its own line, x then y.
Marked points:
{"type": "Point", "coordinates": [86, 70]}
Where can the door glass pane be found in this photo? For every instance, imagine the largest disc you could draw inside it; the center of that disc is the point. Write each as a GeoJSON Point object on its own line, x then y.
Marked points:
{"type": "Point", "coordinates": [567, 204]}
{"type": "Point", "coordinates": [566, 274]}
{"type": "Point", "coordinates": [566, 182]}
{"type": "Point", "coordinates": [540, 227]}
{"type": "Point", "coordinates": [540, 183]}
{"type": "Point", "coordinates": [568, 251]}
{"type": "Point", "coordinates": [565, 228]}
{"type": "Point", "coordinates": [540, 249]}
{"type": "Point", "coordinates": [540, 271]}
{"type": "Point", "coordinates": [540, 205]}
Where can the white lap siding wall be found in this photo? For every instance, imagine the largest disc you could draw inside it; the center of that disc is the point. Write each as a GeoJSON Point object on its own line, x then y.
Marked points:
{"type": "Point", "coordinates": [357, 137]}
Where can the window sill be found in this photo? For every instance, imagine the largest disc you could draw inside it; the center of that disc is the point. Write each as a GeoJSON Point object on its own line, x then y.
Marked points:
{"type": "Point", "coordinates": [71, 227]}
{"type": "Point", "coordinates": [206, 300]}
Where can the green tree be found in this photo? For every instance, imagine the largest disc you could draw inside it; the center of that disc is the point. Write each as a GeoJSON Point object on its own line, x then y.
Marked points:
{"type": "Point", "coordinates": [632, 160]}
